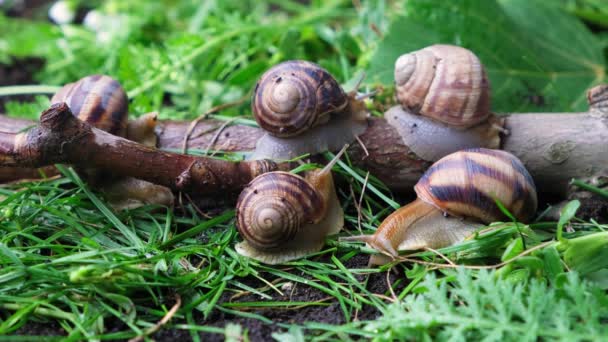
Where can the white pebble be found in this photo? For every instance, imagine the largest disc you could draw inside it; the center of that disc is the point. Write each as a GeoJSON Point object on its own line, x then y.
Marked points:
{"type": "Point", "coordinates": [61, 13]}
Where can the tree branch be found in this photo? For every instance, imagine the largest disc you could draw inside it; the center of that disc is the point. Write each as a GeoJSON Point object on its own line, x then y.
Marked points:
{"type": "Point", "coordinates": [554, 147]}
{"type": "Point", "coordinates": [62, 138]}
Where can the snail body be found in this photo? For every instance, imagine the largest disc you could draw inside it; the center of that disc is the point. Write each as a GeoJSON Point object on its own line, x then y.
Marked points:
{"type": "Point", "coordinates": [98, 100]}
{"type": "Point", "coordinates": [283, 216]}
{"type": "Point", "coordinates": [143, 129]}
{"type": "Point", "coordinates": [328, 137]}
{"type": "Point", "coordinates": [303, 109]}
{"type": "Point", "coordinates": [431, 140]}
{"type": "Point", "coordinates": [444, 82]}
{"type": "Point", "coordinates": [455, 196]}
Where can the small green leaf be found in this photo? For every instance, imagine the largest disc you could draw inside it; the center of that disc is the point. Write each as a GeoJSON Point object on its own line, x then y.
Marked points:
{"type": "Point", "coordinates": [233, 332]}
{"type": "Point", "coordinates": [294, 334]}
{"type": "Point", "coordinates": [520, 275]}
{"type": "Point", "coordinates": [531, 262]}
{"type": "Point", "coordinates": [553, 263]}
{"type": "Point", "coordinates": [565, 215]}
{"type": "Point", "coordinates": [513, 249]}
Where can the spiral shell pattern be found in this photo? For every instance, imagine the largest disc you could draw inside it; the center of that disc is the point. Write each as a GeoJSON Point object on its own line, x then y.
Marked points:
{"type": "Point", "coordinates": [597, 97]}
{"type": "Point", "coordinates": [468, 183]}
{"type": "Point", "coordinates": [273, 207]}
{"type": "Point", "coordinates": [294, 96]}
{"type": "Point", "coordinates": [444, 82]}
{"type": "Point", "coordinates": [99, 100]}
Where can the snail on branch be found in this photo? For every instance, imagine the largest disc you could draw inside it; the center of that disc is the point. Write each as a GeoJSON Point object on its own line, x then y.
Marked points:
{"type": "Point", "coordinates": [455, 194]}
{"type": "Point", "coordinates": [283, 216]}
{"type": "Point", "coordinates": [99, 100]}
{"type": "Point", "coordinates": [60, 137]}
{"type": "Point", "coordinates": [102, 102]}
{"type": "Point", "coordinates": [445, 102]}
{"type": "Point", "coordinates": [304, 110]}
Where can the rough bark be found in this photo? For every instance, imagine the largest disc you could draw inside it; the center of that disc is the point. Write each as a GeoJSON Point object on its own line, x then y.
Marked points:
{"type": "Point", "coordinates": [559, 147]}
{"type": "Point", "coordinates": [62, 138]}
{"type": "Point", "coordinates": [387, 156]}
{"type": "Point", "coordinates": [554, 147]}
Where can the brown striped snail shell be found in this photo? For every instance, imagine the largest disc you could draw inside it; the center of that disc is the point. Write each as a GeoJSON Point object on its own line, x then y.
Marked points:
{"type": "Point", "coordinates": [468, 184]}
{"type": "Point", "coordinates": [465, 184]}
{"type": "Point", "coordinates": [304, 110]}
{"type": "Point", "coordinates": [274, 206]}
{"type": "Point", "coordinates": [597, 97]}
{"type": "Point", "coordinates": [99, 100]}
{"type": "Point", "coordinates": [295, 96]}
{"type": "Point", "coordinates": [282, 216]}
{"type": "Point", "coordinates": [444, 82]}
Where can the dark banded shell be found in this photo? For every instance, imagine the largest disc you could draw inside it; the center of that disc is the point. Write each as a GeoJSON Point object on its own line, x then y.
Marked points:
{"type": "Point", "coordinates": [444, 82]}
{"type": "Point", "coordinates": [294, 96]}
{"type": "Point", "coordinates": [597, 97]}
{"type": "Point", "coordinates": [274, 206]}
{"type": "Point", "coordinates": [468, 183]}
{"type": "Point", "coordinates": [99, 100]}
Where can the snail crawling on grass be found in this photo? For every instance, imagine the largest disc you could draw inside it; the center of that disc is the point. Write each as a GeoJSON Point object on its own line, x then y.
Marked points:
{"type": "Point", "coordinates": [283, 216]}
{"type": "Point", "coordinates": [456, 195]}
{"type": "Point", "coordinates": [303, 109]}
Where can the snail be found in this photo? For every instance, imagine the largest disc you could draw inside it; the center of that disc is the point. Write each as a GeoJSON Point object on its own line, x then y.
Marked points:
{"type": "Point", "coordinates": [454, 195]}
{"type": "Point", "coordinates": [597, 97]}
{"type": "Point", "coordinates": [303, 109]}
{"type": "Point", "coordinates": [102, 102]}
{"type": "Point", "coordinates": [445, 82]}
{"type": "Point", "coordinates": [444, 94]}
{"type": "Point", "coordinates": [143, 129]}
{"type": "Point", "coordinates": [283, 216]}
{"type": "Point", "coordinates": [99, 100]}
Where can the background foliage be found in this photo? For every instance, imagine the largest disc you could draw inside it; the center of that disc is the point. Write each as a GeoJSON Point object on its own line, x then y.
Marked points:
{"type": "Point", "coordinates": [68, 260]}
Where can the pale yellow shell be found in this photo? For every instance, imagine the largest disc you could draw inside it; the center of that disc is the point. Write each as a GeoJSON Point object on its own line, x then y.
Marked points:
{"type": "Point", "coordinates": [444, 82]}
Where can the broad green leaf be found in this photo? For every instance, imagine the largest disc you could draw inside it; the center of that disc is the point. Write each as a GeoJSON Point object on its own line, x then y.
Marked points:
{"type": "Point", "coordinates": [538, 57]}
{"type": "Point", "coordinates": [594, 11]}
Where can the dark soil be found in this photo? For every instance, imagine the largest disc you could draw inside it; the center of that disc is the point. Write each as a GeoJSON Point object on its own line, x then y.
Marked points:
{"type": "Point", "coordinates": [593, 207]}
{"type": "Point", "coordinates": [29, 9]}
{"type": "Point", "coordinates": [19, 72]}
{"type": "Point", "coordinates": [41, 328]}
{"type": "Point", "coordinates": [255, 329]}
{"type": "Point", "coordinates": [259, 331]}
